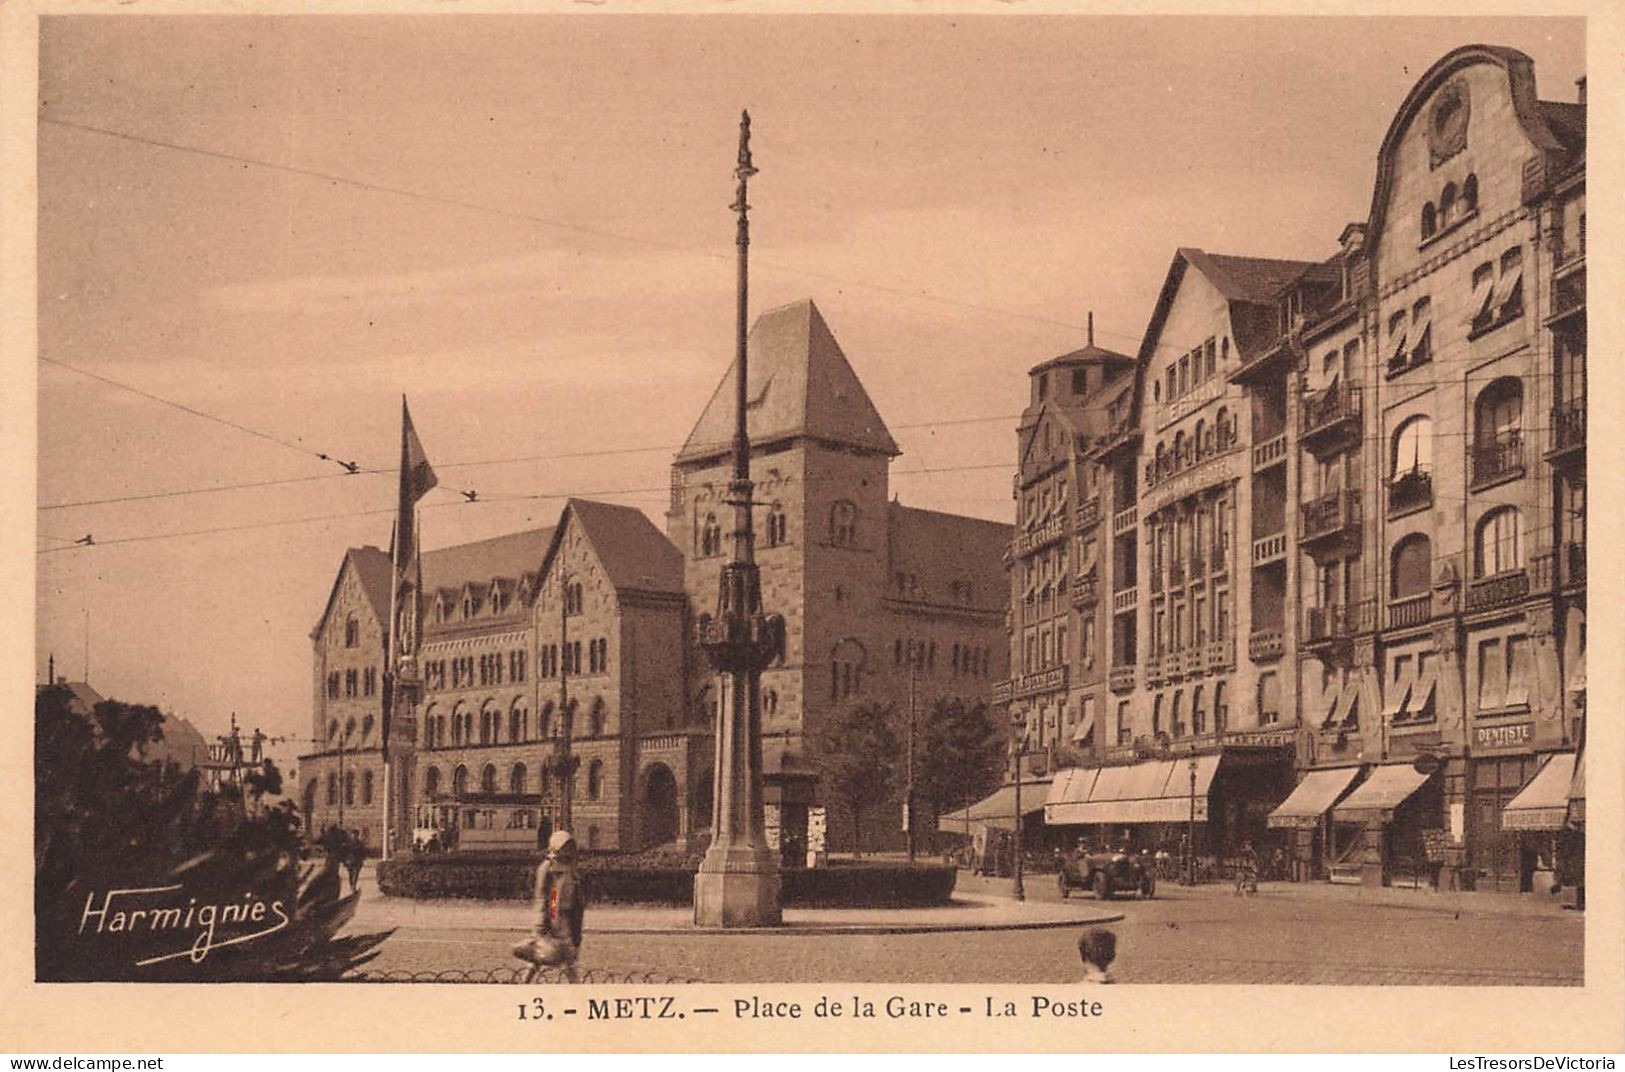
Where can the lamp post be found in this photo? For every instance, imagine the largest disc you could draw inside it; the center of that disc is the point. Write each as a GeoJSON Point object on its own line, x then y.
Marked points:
{"type": "Point", "coordinates": [915, 649]}
{"type": "Point", "coordinates": [1018, 889]}
{"type": "Point", "coordinates": [1190, 835]}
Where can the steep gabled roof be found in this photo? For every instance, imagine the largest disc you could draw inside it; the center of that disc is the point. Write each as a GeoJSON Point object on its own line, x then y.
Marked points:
{"type": "Point", "coordinates": [1258, 280]}
{"type": "Point", "coordinates": [481, 562]}
{"type": "Point", "coordinates": [372, 567]}
{"type": "Point", "coordinates": [636, 555]}
{"type": "Point", "coordinates": [800, 385]}
{"type": "Point", "coordinates": [944, 548]}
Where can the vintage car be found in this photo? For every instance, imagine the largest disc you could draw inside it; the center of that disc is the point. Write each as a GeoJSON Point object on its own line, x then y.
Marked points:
{"type": "Point", "coordinates": [1106, 873]}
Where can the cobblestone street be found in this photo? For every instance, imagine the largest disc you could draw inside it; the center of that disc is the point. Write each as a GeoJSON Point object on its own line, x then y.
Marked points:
{"type": "Point", "coordinates": [1204, 935]}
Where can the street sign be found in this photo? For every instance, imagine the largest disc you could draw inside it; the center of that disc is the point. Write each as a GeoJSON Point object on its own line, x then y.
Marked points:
{"type": "Point", "coordinates": [1426, 763]}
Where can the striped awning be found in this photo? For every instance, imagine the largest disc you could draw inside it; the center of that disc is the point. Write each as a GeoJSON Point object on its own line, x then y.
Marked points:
{"type": "Point", "coordinates": [1543, 804]}
{"type": "Point", "coordinates": [996, 809]}
{"type": "Point", "coordinates": [1387, 788]}
{"type": "Point", "coordinates": [1313, 798]}
{"type": "Point", "coordinates": [1152, 791]}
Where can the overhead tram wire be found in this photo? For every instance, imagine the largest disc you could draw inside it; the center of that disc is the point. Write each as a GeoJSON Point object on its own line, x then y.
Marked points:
{"type": "Point", "coordinates": [350, 468]}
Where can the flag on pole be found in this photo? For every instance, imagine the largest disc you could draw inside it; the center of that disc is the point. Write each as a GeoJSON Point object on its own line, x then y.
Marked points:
{"type": "Point", "coordinates": [417, 478]}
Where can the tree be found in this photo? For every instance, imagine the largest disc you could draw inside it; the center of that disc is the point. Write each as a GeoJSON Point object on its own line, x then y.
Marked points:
{"type": "Point", "coordinates": [110, 824]}
{"type": "Point", "coordinates": [860, 751]}
{"type": "Point", "coordinates": [960, 755]}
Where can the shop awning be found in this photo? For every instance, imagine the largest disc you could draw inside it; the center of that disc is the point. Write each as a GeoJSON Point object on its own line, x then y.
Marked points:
{"type": "Point", "coordinates": [1314, 796]}
{"type": "Point", "coordinates": [1375, 800]}
{"type": "Point", "coordinates": [1577, 792]}
{"type": "Point", "coordinates": [1543, 804]}
{"type": "Point", "coordinates": [1086, 721]}
{"type": "Point", "coordinates": [997, 809]}
{"type": "Point", "coordinates": [1152, 791]}
{"type": "Point", "coordinates": [1071, 785]}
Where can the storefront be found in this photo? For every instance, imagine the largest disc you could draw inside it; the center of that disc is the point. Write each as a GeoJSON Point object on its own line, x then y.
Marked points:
{"type": "Point", "coordinates": [1536, 819]}
{"type": "Point", "coordinates": [1317, 841]}
{"type": "Point", "coordinates": [1156, 804]}
{"type": "Point", "coordinates": [1501, 859]}
{"type": "Point", "coordinates": [1395, 810]}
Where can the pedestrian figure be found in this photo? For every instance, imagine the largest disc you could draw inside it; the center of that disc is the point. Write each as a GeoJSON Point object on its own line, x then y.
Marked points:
{"type": "Point", "coordinates": [560, 905]}
{"type": "Point", "coordinates": [1097, 948]}
{"type": "Point", "coordinates": [1247, 870]}
{"type": "Point", "coordinates": [355, 854]}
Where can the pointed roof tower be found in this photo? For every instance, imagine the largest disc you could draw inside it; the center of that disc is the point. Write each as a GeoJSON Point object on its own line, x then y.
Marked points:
{"type": "Point", "coordinates": [800, 386]}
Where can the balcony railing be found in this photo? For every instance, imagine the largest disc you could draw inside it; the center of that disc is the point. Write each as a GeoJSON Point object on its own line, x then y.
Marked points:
{"type": "Point", "coordinates": [1192, 660]}
{"type": "Point", "coordinates": [1052, 679]}
{"type": "Point", "coordinates": [1086, 591]}
{"type": "Point", "coordinates": [1125, 599]}
{"type": "Point", "coordinates": [1498, 459]}
{"type": "Point", "coordinates": [1218, 653]}
{"type": "Point", "coordinates": [1330, 414]}
{"type": "Point", "coordinates": [1568, 426]}
{"type": "Point", "coordinates": [1568, 297]}
{"type": "Point", "coordinates": [1266, 645]}
{"type": "Point", "coordinates": [1574, 564]}
{"type": "Point", "coordinates": [1089, 513]}
{"type": "Point", "coordinates": [1267, 549]}
{"type": "Point", "coordinates": [1155, 669]}
{"type": "Point", "coordinates": [1499, 590]}
{"type": "Point", "coordinates": [1270, 452]}
{"type": "Point", "coordinates": [1341, 620]}
{"type": "Point", "coordinates": [1410, 490]}
{"type": "Point", "coordinates": [1121, 678]}
{"type": "Point", "coordinates": [1124, 520]}
{"type": "Point", "coordinates": [1331, 514]}
{"type": "Point", "coordinates": [1410, 610]}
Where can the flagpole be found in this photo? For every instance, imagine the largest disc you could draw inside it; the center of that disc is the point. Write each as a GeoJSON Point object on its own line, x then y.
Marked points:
{"type": "Point", "coordinates": [397, 539]}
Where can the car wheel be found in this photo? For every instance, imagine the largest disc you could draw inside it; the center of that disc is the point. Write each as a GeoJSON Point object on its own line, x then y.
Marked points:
{"type": "Point", "coordinates": [1066, 890]}
{"type": "Point", "coordinates": [1103, 886]}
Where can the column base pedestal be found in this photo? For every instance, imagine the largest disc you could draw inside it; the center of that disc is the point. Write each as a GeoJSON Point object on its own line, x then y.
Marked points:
{"type": "Point", "coordinates": [737, 888]}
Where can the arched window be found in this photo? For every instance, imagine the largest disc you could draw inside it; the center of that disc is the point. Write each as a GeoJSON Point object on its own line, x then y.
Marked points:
{"type": "Point", "coordinates": [440, 730]}
{"type": "Point", "coordinates": [349, 728]}
{"type": "Point", "coordinates": [1499, 547]}
{"type": "Point", "coordinates": [846, 665]}
{"type": "Point", "coordinates": [843, 523]}
{"type": "Point", "coordinates": [457, 724]}
{"type": "Point", "coordinates": [349, 787]}
{"type": "Point", "coordinates": [1198, 713]}
{"type": "Point", "coordinates": [1469, 195]}
{"type": "Point", "coordinates": [366, 787]}
{"type": "Point", "coordinates": [1156, 717]}
{"type": "Point", "coordinates": [595, 725]}
{"type": "Point", "coordinates": [1179, 450]}
{"type": "Point", "coordinates": [431, 783]}
{"type": "Point", "coordinates": [1500, 412]}
{"type": "Point", "coordinates": [333, 730]}
{"type": "Point", "coordinates": [1203, 445]}
{"type": "Point", "coordinates": [1221, 426]}
{"type": "Point", "coordinates": [776, 525]}
{"type": "Point", "coordinates": [710, 537]}
{"type": "Point", "coordinates": [1447, 205]}
{"type": "Point", "coordinates": [595, 779]}
{"type": "Point", "coordinates": [1221, 707]}
{"type": "Point", "coordinates": [1162, 462]}
{"type": "Point", "coordinates": [1412, 564]}
{"type": "Point", "coordinates": [1430, 220]}
{"type": "Point", "coordinates": [1413, 448]}
{"type": "Point", "coordinates": [332, 788]}
{"type": "Point", "coordinates": [513, 724]}
{"type": "Point", "coordinates": [518, 781]}
{"type": "Point", "coordinates": [488, 779]}
{"type": "Point", "coordinates": [544, 725]}
{"type": "Point", "coordinates": [459, 782]}
{"type": "Point", "coordinates": [1178, 728]}
{"type": "Point", "coordinates": [352, 632]}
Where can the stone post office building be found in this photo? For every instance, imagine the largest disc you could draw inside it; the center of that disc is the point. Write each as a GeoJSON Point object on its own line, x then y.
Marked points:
{"type": "Point", "coordinates": [597, 613]}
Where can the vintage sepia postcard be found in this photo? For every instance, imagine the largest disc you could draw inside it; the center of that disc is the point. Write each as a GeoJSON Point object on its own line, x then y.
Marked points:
{"type": "Point", "coordinates": [948, 527]}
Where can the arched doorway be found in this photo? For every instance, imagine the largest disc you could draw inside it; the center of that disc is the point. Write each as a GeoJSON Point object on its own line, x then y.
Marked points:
{"type": "Point", "coordinates": [659, 805]}
{"type": "Point", "coordinates": [310, 807]}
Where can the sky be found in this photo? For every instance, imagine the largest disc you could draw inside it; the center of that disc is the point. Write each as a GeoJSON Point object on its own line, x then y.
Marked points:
{"type": "Point", "coordinates": [521, 223]}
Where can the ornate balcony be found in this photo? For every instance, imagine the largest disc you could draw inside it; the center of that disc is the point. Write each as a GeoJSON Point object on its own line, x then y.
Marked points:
{"type": "Point", "coordinates": [1498, 459]}
{"type": "Point", "coordinates": [1407, 611]}
{"type": "Point", "coordinates": [1086, 591]}
{"type": "Point", "coordinates": [1050, 531]}
{"type": "Point", "coordinates": [1219, 654]}
{"type": "Point", "coordinates": [1269, 453]}
{"type": "Point", "coordinates": [1331, 419]}
{"type": "Point", "coordinates": [1568, 299]}
{"type": "Point", "coordinates": [1499, 590]}
{"type": "Point", "coordinates": [1156, 669]}
{"type": "Point", "coordinates": [1266, 645]}
{"type": "Point", "coordinates": [1121, 678]}
{"type": "Point", "coordinates": [1271, 548]}
{"type": "Point", "coordinates": [1040, 681]}
{"type": "Point", "coordinates": [1125, 599]}
{"type": "Point", "coordinates": [1568, 431]}
{"type": "Point", "coordinates": [1410, 491]}
{"type": "Point", "coordinates": [1088, 513]}
{"type": "Point", "coordinates": [1192, 660]}
{"type": "Point", "coordinates": [1331, 516]}
{"type": "Point", "coordinates": [1124, 520]}
{"type": "Point", "coordinates": [1328, 625]}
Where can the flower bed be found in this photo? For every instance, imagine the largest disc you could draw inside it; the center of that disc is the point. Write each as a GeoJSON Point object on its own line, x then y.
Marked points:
{"type": "Point", "coordinates": [620, 880]}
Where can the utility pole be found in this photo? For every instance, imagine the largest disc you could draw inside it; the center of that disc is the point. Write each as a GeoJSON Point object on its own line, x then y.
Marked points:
{"type": "Point", "coordinates": [908, 791]}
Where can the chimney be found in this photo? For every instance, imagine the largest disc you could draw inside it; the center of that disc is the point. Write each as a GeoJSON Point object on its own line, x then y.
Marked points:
{"type": "Point", "coordinates": [1580, 87]}
{"type": "Point", "coordinates": [1092, 317]}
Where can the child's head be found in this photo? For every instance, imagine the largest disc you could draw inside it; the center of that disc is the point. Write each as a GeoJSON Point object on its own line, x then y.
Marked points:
{"type": "Point", "coordinates": [1097, 946]}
